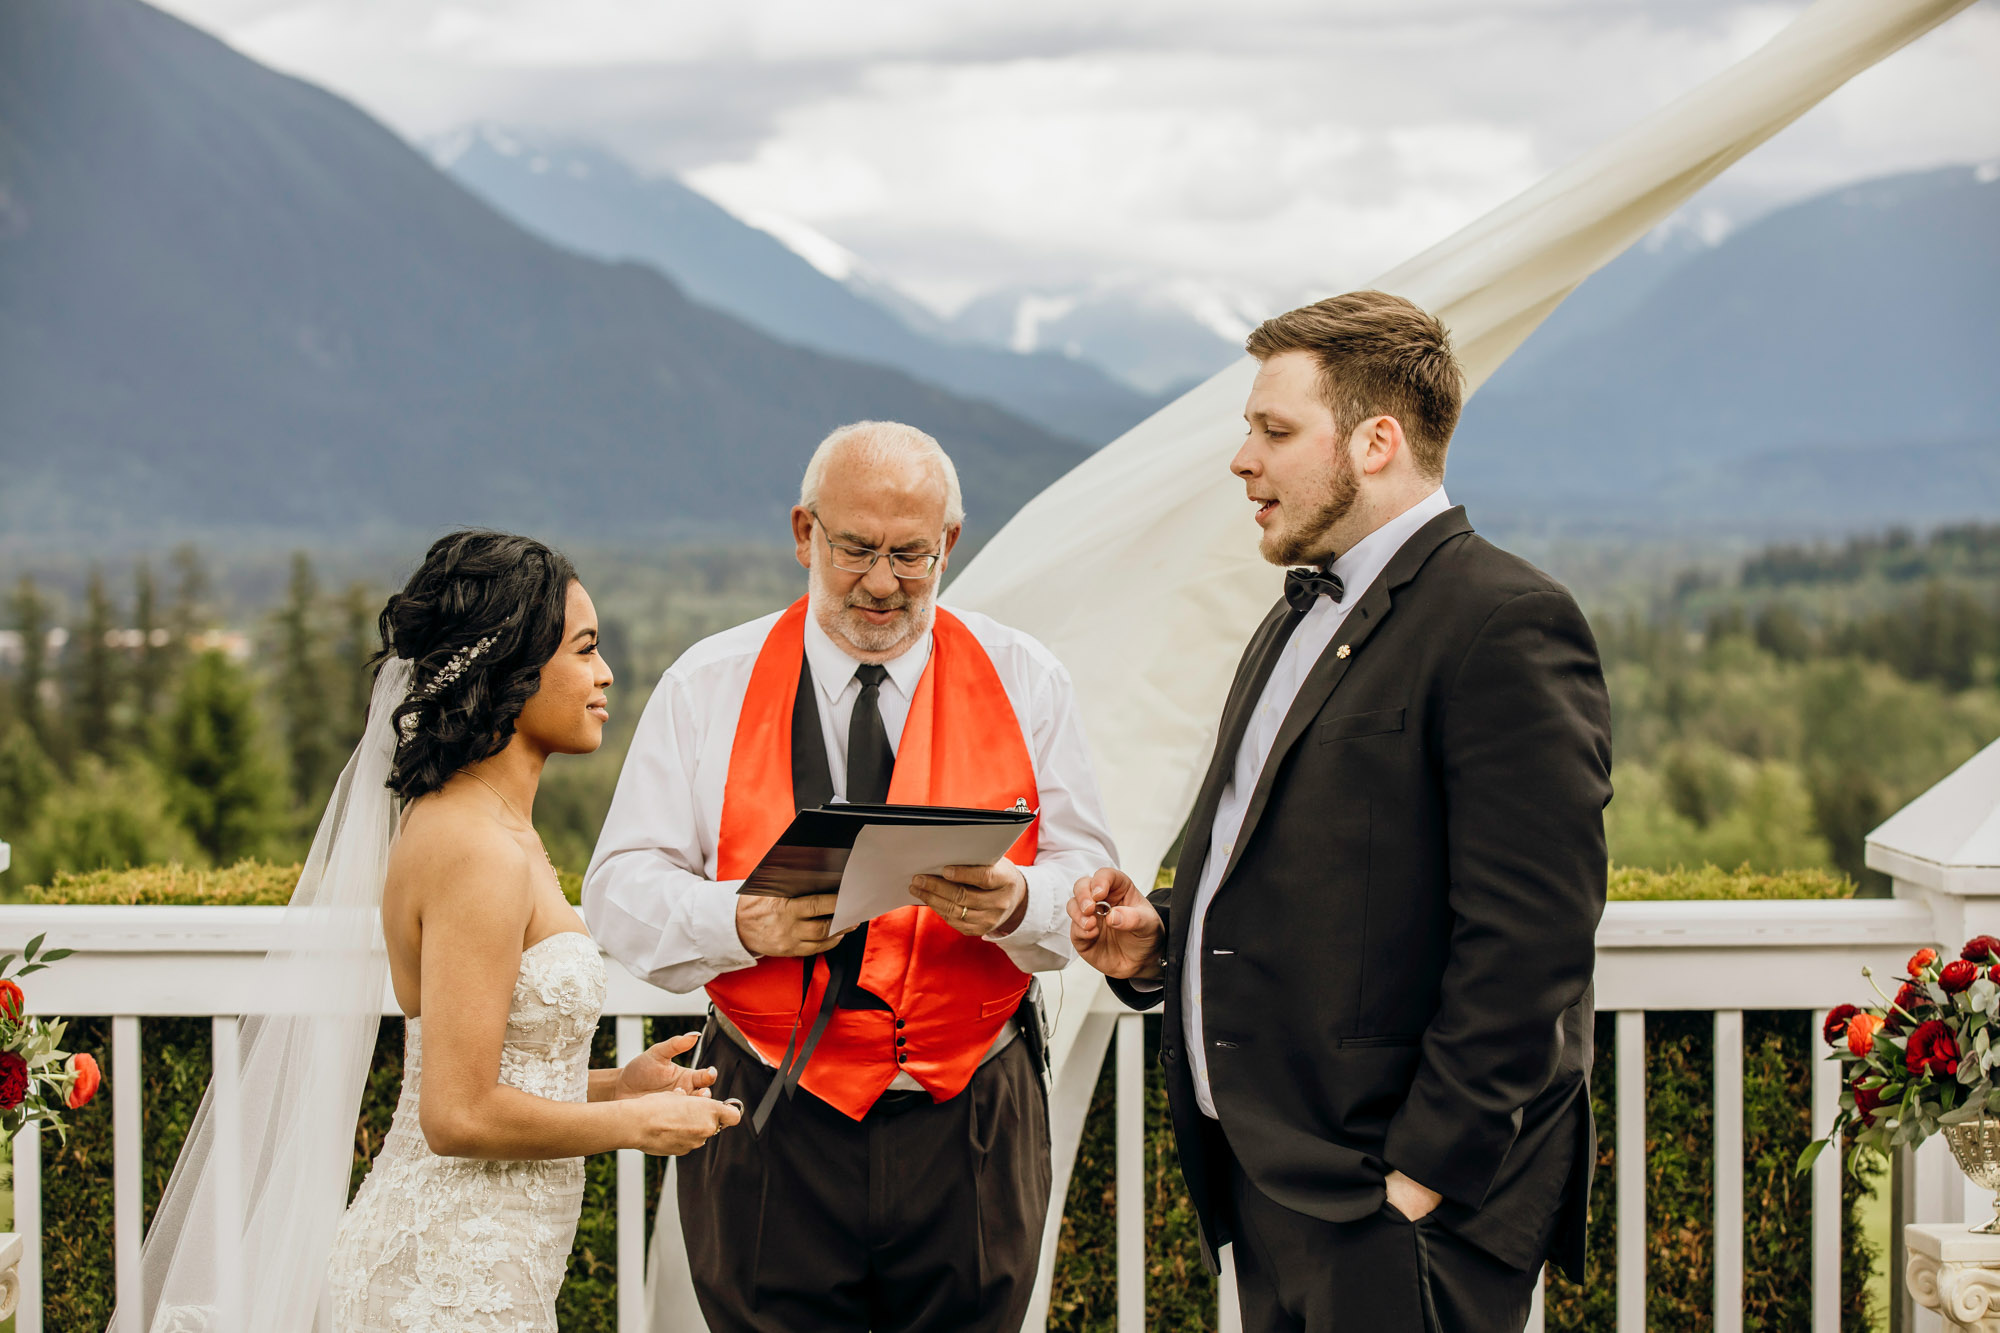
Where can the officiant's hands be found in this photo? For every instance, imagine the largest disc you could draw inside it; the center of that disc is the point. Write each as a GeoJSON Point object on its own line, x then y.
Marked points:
{"type": "Point", "coordinates": [654, 1070]}
{"type": "Point", "coordinates": [786, 927]}
{"type": "Point", "coordinates": [976, 900]}
{"type": "Point", "coordinates": [1122, 942]}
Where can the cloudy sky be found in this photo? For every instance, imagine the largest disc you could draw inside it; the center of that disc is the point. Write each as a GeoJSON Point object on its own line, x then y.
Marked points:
{"type": "Point", "coordinates": [1271, 147]}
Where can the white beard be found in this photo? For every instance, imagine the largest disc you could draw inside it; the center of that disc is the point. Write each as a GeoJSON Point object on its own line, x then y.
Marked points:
{"type": "Point", "coordinates": [853, 631]}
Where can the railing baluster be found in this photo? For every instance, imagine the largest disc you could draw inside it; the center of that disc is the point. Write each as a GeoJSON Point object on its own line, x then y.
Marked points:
{"type": "Point", "coordinates": [1631, 1154]}
{"type": "Point", "coordinates": [28, 1222]}
{"type": "Point", "coordinates": [227, 1163]}
{"type": "Point", "coordinates": [1229, 1312]}
{"type": "Point", "coordinates": [1729, 1171]}
{"type": "Point", "coordinates": [1538, 1305]}
{"type": "Point", "coordinates": [1131, 1174]}
{"type": "Point", "coordinates": [125, 1164]}
{"type": "Point", "coordinates": [1826, 1201]}
{"type": "Point", "coordinates": [631, 1202]}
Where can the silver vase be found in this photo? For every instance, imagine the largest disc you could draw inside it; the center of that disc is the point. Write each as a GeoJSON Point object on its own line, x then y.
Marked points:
{"type": "Point", "coordinates": [1976, 1146]}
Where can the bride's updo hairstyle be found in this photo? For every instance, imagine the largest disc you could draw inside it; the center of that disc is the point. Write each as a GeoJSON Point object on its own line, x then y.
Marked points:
{"type": "Point", "coordinates": [478, 621]}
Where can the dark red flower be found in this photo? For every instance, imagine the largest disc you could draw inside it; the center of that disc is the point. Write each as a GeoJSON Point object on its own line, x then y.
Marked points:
{"type": "Point", "coordinates": [1913, 1000]}
{"type": "Point", "coordinates": [1866, 1102]}
{"type": "Point", "coordinates": [1932, 1050]}
{"type": "Point", "coordinates": [13, 1079]}
{"type": "Point", "coordinates": [1834, 1030]}
{"type": "Point", "coordinates": [1981, 949]}
{"type": "Point", "coordinates": [1993, 974]}
{"type": "Point", "coordinates": [1922, 959]}
{"type": "Point", "coordinates": [1957, 975]}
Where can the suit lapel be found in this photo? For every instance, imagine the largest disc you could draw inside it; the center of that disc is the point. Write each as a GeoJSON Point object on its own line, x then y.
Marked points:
{"type": "Point", "coordinates": [1361, 623]}
{"type": "Point", "coordinates": [1259, 660]}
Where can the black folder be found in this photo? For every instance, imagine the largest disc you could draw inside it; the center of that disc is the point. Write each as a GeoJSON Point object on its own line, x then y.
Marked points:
{"type": "Point", "coordinates": [812, 854]}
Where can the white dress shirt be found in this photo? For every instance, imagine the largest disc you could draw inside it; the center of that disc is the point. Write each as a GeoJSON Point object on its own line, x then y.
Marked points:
{"type": "Point", "coordinates": [1357, 568]}
{"type": "Point", "coordinates": [651, 896]}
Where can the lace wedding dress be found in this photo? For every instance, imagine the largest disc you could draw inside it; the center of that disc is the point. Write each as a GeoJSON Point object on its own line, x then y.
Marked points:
{"type": "Point", "coordinates": [453, 1245]}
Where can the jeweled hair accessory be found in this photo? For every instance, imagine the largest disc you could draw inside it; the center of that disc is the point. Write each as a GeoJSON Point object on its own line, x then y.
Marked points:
{"type": "Point", "coordinates": [406, 725]}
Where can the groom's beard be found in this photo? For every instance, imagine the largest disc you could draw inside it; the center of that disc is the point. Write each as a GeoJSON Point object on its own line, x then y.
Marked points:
{"type": "Point", "coordinates": [843, 622]}
{"type": "Point", "coordinates": [1303, 541]}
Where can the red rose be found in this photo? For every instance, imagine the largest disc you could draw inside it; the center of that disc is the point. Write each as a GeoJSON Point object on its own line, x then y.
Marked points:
{"type": "Point", "coordinates": [11, 1000]}
{"type": "Point", "coordinates": [1922, 959]}
{"type": "Point", "coordinates": [1912, 1000]}
{"type": "Point", "coordinates": [13, 1079]}
{"type": "Point", "coordinates": [1866, 1102]}
{"type": "Point", "coordinates": [88, 1076]}
{"type": "Point", "coordinates": [1993, 974]}
{"type": "Point", "coordinates": [1932, 1050]}
{"type": "Point", "coordinates": [1956, 975]}
{"type": "Point", "coordinates": [1981, 949]}
{"type": "Point", "coordinates": [1835, 1028]}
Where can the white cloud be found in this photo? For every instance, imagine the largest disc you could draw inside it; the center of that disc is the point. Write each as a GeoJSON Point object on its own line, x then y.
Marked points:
{"type": "Point", "coordinates": [1271, 146]}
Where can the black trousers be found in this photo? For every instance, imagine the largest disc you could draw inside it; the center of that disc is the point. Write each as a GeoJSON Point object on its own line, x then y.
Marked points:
{"type": "Point", "coordinates": [1382, 1274]}
{"type": "Point", "coordinates": [923, 1216]}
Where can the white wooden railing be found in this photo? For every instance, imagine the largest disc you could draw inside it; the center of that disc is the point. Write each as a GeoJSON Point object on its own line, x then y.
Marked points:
{"type": "Point", "coordinates": [141, 962]}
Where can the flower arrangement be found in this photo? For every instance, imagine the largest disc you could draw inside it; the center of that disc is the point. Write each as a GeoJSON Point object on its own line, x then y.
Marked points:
{"type": "Point", "coordinates": [38, 1079]}
{"type": "Point", "coordinates": [1923, 1059]}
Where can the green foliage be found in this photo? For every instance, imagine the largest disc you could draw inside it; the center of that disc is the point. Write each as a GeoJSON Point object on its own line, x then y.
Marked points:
{"type": "Point", "coordinates": [245, 884]}
{"type": "Point", "coordinates": [1635, 884]}
{"type": "Point", "coordinates": [106, 818]}
{"type": "Point", "coordinates": [97, 683]}
{"type": "Point", "coordinates": [211, 750]}
{"type": "Point", "coordinates": [306, 713]}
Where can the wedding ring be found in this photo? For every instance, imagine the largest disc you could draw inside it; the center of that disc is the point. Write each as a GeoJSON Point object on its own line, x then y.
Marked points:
{"type": "Point", "coordinates": [961, 911]}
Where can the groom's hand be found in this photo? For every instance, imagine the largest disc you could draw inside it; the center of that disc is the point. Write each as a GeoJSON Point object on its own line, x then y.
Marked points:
{"type": "Point", "coordinates": [1122, 942]}
{"type": "Point", "coordinates": [1409, 1198]}
{"type": "Point", "coordinates": [654, 1070]}
{"type": "Point", "coordinates": [786, 927]}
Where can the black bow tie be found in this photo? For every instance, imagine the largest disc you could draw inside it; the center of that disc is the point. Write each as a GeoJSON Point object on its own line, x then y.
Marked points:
{"type": "Point", "coordinates": [1303, 587]}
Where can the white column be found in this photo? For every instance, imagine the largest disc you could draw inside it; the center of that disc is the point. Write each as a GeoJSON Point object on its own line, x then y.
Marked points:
{"type": "Point", "coordinates": [1229, 1312]}
{"type": "Point", "coordinates": [1538, 1307]}
{"type": "Point", "coordinates": [631, 1202]}
{"type": "Point", "coordinates": [1826, 1206]}
{"type": "Point", "coordinates": [227, 1164]}
{"type": "Point", "coordinates": [1729, 1171]}
{"type": "Point", "coordinates": [125, 1171]}
{"type": "Point", "coordinates": [1631, 1153]}
{"type": "Point", "coordinates": [1131, 1173]}
{"type": "Point", "coordinates": [28, 1222]}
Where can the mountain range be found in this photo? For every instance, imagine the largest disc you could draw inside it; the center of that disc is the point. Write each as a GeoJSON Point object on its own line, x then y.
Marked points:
{"type": "Point", "coordinates": [231, 303]}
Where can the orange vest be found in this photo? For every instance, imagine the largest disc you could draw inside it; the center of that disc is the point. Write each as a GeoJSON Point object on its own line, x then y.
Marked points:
{"type": "Point", "coordinates": [948, 995]}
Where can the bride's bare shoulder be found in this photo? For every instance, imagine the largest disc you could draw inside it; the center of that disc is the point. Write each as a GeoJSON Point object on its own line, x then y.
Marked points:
{"type": "Point", "coordinates": [452, 849]}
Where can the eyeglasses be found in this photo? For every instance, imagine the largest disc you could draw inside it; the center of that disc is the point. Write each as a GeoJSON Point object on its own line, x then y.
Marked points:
{"type": "Point", "coordinates": [860, 559]}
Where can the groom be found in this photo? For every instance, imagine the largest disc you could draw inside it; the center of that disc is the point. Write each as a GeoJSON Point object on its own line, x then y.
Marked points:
{"type": "Point", "coordinates": [1376, 955]}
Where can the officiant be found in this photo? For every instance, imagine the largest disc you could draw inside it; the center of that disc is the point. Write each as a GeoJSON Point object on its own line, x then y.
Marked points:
{"type": "Point", "coordinates": [904, 1182]}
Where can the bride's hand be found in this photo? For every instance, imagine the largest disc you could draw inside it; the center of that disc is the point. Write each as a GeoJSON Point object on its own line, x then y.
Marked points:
{"type": "Point", "coordinates": [667, 1124]}
{"type": "Point", "coordinates": [654, 1070]}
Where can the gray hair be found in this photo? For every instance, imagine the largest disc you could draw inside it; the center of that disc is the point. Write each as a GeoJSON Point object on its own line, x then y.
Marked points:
{"type": "Point", "coordinates": [880, 442]}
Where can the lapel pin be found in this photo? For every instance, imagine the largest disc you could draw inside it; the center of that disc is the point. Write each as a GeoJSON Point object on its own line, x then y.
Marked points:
{"type": "Point", "coordinates": [1342, 652]}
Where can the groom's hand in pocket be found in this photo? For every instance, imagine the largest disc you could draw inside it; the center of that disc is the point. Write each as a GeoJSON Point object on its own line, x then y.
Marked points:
{"type": "Point", "coordinates": [654, 1070]}
{"type": "Point", "coordinates": [786, 927]}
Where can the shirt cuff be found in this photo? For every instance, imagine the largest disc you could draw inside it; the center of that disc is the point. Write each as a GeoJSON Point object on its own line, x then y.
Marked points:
{"type": "Point", "coordinates": [712, 922]}
{"type": "Point", "coordinates": [1040, 941]}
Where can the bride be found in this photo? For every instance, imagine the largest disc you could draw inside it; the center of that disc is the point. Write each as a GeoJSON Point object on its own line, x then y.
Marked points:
{"type": "Point", "coordinates": [466, 1219]}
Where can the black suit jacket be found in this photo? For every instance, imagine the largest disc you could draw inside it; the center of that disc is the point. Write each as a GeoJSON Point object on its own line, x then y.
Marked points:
{"type": "Point", "coordinates": [1397, 969]}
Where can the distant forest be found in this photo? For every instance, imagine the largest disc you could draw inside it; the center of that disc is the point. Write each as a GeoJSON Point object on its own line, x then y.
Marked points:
{"type": "Point", "coordinates": [1769, 718]}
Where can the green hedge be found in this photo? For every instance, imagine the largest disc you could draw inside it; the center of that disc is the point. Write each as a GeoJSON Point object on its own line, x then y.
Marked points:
{"type": "Point", "coordinates": [1180, 1293]}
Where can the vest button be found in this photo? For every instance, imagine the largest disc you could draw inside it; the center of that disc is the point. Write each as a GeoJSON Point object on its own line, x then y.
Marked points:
{"type": "Point", "coordinates": [902, 1040]}
{"type": "Point", "coordinates": [901, 1056]}
{"type": "Point", "coordinates": [899, 1023]}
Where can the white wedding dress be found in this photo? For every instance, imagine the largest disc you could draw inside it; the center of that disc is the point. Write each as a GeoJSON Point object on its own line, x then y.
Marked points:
{"type": "Point", "coordinates": [454, 1245]}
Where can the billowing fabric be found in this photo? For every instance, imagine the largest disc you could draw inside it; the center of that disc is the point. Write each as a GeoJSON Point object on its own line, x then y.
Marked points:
{"type": "Point", "coordinates": [454, 1244]}
{"type": "Point", "coordinates": [948, 994]}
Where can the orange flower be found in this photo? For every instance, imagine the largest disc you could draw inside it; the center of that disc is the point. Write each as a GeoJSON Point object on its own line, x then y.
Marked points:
{"type": "Point", "coordinates": [11, 1000]}
{"type": "Point", "coordinates": [1922, 959]}
{"type": "Point", "coordinates": [1861, 1030]}
{"type": "Point", "coordinates": [88, 1076]}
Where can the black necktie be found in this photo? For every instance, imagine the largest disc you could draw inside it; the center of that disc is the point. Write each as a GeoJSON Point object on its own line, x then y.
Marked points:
{"type": "Point", "coordinates": [870, 761]}
{"type": "Point", "coordinates": [1305, 586]}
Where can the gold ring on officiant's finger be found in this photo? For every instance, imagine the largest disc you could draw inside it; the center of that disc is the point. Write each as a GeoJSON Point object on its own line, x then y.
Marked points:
{"type": "Point", "coordinates": [961, 911]}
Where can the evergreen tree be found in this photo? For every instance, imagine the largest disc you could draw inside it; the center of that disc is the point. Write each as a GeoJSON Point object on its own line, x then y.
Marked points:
{"type": "Point", "coordinates": [190, 611]}
{"type": "Point", "coordinates": [305, 710]}
{"type": "Point", "coordinates": [97, 672]}
{"type": "Point", "coordinates": [26, 779]}
{"type": "Point", "coordinates": [211, 753]}
{"type": "Point", "coordinates": [31, 621]}
{"type": "Point", "coordinates": [149, 673]}
{"type": "Point", "coordinates": [358, 647]}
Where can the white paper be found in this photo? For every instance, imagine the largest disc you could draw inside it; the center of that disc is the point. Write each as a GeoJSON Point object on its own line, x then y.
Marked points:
{"type": "Point", "coordinates": [887, 857]}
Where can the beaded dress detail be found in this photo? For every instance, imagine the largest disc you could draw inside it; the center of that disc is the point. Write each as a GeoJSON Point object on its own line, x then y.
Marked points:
{"type": "Point", "coordinates": [454, 1245]}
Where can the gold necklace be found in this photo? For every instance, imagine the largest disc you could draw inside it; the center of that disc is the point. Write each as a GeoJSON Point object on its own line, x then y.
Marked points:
{"type": "Point", "coordinates": [518, 815]}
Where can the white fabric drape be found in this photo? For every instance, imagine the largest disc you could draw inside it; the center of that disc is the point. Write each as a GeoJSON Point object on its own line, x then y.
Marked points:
{"type": "Point", "coordinates": [1140, 568]}
{"type": "Point", "coordinates": [240, 1241]}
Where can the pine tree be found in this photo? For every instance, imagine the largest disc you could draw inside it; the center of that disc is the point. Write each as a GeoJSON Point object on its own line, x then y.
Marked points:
{"type": "Point", "coordinates": [149, 673]}
{"type": "Point", "coordinates": [358, 647]}
{"type": "Point", "coordinates": [190, 611]}
{"type": "Point", "coordinates": [305, 710]}
{"type": "Point", "coordinates": [31, 621]}
{"type": "Point", "coordinates": [211, 753]}
{"type": "Point", "coordinates": [97, 674]}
